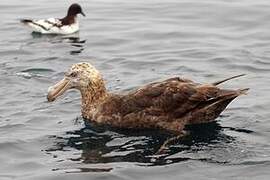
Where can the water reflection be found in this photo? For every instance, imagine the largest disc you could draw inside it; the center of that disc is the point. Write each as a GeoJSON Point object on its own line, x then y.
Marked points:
{"type": "Point", "coordinates": [99, 144]}
{"type": "Point", "coordinates": [73, 39]}
{"type": "Point", "coordinates": [35, 72]}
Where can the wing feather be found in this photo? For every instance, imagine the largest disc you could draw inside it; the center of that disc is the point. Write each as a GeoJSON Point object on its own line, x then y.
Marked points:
{"type": "Point", "coordinates": [173, 96]}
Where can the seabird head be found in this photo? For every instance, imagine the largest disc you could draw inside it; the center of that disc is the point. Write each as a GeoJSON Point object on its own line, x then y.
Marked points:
{"type": "Point", "coordinates": [80, 76]}
{"type": "Point", "coordinates": [75, 9]}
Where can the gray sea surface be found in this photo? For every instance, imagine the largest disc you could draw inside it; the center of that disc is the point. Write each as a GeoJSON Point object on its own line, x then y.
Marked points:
{"type": "Point", "coordinates": [134, 42]}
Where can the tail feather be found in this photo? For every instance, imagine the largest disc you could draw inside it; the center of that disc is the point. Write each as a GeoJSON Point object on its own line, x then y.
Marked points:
{"type": "Point", "coordinates": [36, 27]}
{"type": "Point", "coordinates": [26, 21]}
{"type": "Point", "coordinates": [228, 94]}
{"type": "Point", "coordinates": [227, 79]}
{"type": "Point", "coordinates": [210, 110]}
{"type": "Point", "coordinates": [243, 91]}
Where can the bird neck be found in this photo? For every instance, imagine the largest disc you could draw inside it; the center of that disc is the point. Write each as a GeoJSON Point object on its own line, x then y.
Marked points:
{"type": "Point", "coordinates": [92, 96]}
{"type": "Point", "coordinates": [69, 19]}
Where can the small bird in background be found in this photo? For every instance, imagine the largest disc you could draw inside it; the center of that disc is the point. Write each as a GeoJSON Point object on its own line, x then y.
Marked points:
{"type": "Point", "coordinates": [67, 25]}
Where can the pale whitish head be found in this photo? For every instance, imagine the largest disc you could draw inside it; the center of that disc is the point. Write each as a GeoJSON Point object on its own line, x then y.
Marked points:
{"type": "Point", "coordinates": [80, 76]}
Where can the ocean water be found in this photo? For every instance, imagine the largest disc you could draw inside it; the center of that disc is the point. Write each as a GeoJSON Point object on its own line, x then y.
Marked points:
{"type": "Point", "coordinates": [134, 42]}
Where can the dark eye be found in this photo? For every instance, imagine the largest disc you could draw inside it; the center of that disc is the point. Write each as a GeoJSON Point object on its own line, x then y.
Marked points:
{"type": "Point", "coordinates": [73, 74]}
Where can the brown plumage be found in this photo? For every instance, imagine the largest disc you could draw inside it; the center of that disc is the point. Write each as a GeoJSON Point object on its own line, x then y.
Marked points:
{"type": "Point", "coordinates": [73, 10]}
{"type": "Point", "coordinates": [168, 105]}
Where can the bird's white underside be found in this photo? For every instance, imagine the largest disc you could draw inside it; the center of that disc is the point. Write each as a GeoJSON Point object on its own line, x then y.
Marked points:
{"type": "Point", "coordinates": [45, 26]}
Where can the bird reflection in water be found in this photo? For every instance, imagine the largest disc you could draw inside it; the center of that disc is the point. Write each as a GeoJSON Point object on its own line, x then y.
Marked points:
{"type": "Point", "coordinates": [102, 145]}
{"type": "Point", "coordinates": [73, 39]}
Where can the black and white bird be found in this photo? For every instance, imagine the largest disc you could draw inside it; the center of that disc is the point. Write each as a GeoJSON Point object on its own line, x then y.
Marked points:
{"type": "Point", "coordinates": [67, 25]}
